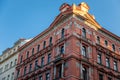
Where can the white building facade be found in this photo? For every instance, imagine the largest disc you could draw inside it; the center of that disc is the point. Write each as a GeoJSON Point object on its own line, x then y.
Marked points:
{"type": "Point", "coordinates": [8, 60]}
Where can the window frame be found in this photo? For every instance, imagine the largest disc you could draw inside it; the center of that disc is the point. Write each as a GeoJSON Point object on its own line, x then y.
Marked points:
{"type": "Point", "coordinates": [84, 32]}
{"type": "Point", "coordinates": [107, 62]}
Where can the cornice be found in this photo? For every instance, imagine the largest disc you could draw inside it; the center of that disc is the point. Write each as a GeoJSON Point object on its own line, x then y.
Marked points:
{"type": "Point", "coordinates": [82, 11]}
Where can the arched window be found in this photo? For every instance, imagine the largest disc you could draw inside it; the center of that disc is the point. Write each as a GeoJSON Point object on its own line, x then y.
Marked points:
{"type": "Point", "coordinates": [44, 44]}
{"type": "Point", "coordinates": [62, 49]}
{"type": "Point", "coordinates": [32, 51]}
{"type": "Point", "coordinates": [50, 41]}
{"type": "Point", "coordinates": [21, 58]}
{"type": "Point", "coordinates": [62, 33]}
{"type": "Point", "coordinates": [84, 72]}
{"type": "Point", "coordinates": [98, 39]}
{"type": "Point", "coordinates": [38, 48]}
{"type": "Point", "coordinates": [84, 32]}
{"type": "Point", "coordinates": [84, 52]}
{"type": "Point", "coordinates": [27, 54]}
{"type": "Point", "coordinates": [106, 43]}
{"type": "Point", "coordinates": [15, 62]}
{"type": "Point", "coordinates": [113, 47]}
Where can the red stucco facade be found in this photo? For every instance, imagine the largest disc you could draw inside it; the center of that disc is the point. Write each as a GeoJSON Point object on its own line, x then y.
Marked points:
{"type": "Point", "coordinates": [74, 47]}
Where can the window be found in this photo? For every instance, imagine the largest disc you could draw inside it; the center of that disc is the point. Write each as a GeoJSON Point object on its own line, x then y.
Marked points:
{"type": "Point", "coordinates": [27, 54]}
{"type": "Point", "coordinates": [84, 32]}
{"type": "Point", "coordinates": [47, 76]}
{"type": "Point", "coordinates": [109, 78]}
{"type": "Point", "coordinates": [1, 69]}
{"type": "Point", "coordinates": [84, 52]}
{"type": "Point", "coordinates": [107, 62]}
{"type": "Point", "coordinates": [4, 78]}
{"type": "Point", "coordinates": [18, 72]}
{"type": "Point", "coordinates": [30, 68]}
{"type": "Point", "coordinates": [21, 59]}
{"type": "Point", "coordinates": [99, 60]}
{"type": "Point", "coordinates": [15, 62]}
{"type": "Point", "coordinates": [115, 65]}
{"type": "Point", "coordinates": [100, 77]}
{"type": "Point", "coordinates": [84, 72]}
{"type": "Point", "coordinates": [50, 41]}
{"type": "Point", "coordinates": [8, 77]}
{"type": "Point", "coordinates": [6, 66]}
{"type": "Point", "coordinates": [62, 33]}
{"type": "Point", "coordinates": [59, 71]}
{"type": "Point", "coordinates": [62, 49]}
{"type": "Point", "coordinates": [40, 77]}
{"type": "Point", "coordinates": [32, 51]}
{"type": "Point", "coordinates": [44, 44]}
{"type": "Point", "coordinates": [113, 47]}
{"type": "Point", "coordinates": [42, 61]}
{"type": "Point", "coordinates": [36, 64]}
{"type": "Point", "coordinates": [49, 58]}
{"type": "Point", "coordinates": [98, 39]}
{"type": "Point", "coordinates": [11, 64]}
{"type": "Point", "coordinates": [38, 48]}
{"type": "Point", "coordinates": [12, 76]}
{"type": "Point", "coordinates": [25, 70]}
{"type": "Point", "coordinates": [106, 43]}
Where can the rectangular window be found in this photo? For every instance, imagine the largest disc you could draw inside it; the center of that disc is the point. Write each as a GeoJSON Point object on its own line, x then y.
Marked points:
{"type": "Point", "coordinates": [12, 76]}
{"type": "Point", "coordinates": [30, 68]}
{"type": "Point", "coordinates": [47, 76]}
{"type": "Point", "coordinates": [25, 69]}
{"type": "Point", "coordinates": [4, 78]}
{"type": "Point", "coordinates": [42, 61]}
{"type": "Point", "coordinates": [49, 58]}
{"type": "Point", "coordinates": [36, 64]}
{"type": "Point", "coordinates": [18, 72]}
{"type": "Point", "coordinates": [115, 66]}
{"type": "Point", "coordinates": [6, 66]}
{"type": "Point", "coordinates": [40, 77]}
{"type": "Point", "coordinates": [1, 69]}
{"type": "Point", "coordinates": [107, 62]}
{"type": "Point", "coordinates": [99, 60]}
{"type": "Point", "coordinates": [8, 77]}
{"type": "Point", "coordinates": [15, 62]}
{"type": "Point", "coordinates": [59, 71]}
{"type": "Point", "coordinates": [11, 64]}
{"type": "Point", "coordinates": [101, 77]}
{"type": "Point", "coordinates": [109, 78]}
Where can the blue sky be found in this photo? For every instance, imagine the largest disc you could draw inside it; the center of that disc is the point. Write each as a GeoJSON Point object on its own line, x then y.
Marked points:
{"type": "Point", "coordinates": [27, 18]}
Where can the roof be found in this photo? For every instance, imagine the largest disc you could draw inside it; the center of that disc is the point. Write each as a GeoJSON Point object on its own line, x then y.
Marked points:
{"type": "Point", "coordinates": [79, 10]}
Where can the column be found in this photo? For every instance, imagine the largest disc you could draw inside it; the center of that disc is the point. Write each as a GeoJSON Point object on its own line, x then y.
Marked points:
{"type": "Point", "coordinates": [62, 69]}
{"type": "Point", "coordinates": [54, 72]}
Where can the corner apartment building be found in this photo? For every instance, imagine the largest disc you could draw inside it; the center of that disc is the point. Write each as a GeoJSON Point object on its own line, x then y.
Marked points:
{"type": "Point", "coordinates": [8, 60]}
{"type": "Point", "coordinates": [73, 47]}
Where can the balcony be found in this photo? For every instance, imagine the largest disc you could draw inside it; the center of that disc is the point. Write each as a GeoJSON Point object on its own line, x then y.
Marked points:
{"type": "Point", "coordinates": [59, 57]}
{"type": "Point", "coordinates": [62, 38]}
{"type": "Point", "coordinates": [82, 38]}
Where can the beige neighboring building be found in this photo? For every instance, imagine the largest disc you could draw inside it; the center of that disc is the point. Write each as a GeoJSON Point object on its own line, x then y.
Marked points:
{"type": "Point", "coordinates": [8, 60]}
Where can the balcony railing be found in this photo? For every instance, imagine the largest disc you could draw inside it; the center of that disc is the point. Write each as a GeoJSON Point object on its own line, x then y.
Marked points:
{"type": "Point", "coordinates": [59, 57]}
